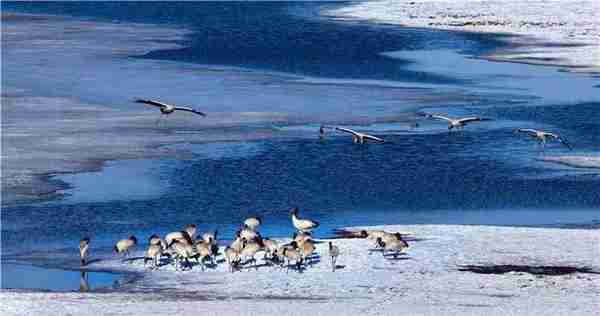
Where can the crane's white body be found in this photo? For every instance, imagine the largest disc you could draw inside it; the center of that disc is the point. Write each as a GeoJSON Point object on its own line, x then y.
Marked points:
{"type": "Point", "coordinates": [457, 123]}
{"type": "Point", "coordinates": [543, 136]}
{"type": "Point", "coordinates": [303, 225]}
{"type": "Point", "coordinates": [166, 109]}
{"type": "Point", "coordinates": [84, 247]}
{"type": "Point", "coordinates": [252, 223]}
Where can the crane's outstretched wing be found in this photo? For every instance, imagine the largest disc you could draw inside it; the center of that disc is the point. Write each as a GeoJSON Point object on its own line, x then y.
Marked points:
{"type": "Point", "coordinates": [441, 117]}
{"type": "Point", "coordinates": [527, 130]}
{"type": "Point", "coordinates": [564, 142]}
{"type": "Point", "coordinates": [347, 130]}
{"type": "Point", "coordinates": [377, 139]}
{"type": "Point", "coordinates": [152, 102]}
{"type": "Point", "coordinates": [473, 119]}
{"type": "Point", "coordinates": [560, 139]}
{"type": "Point", "coordinates": [183, 108]}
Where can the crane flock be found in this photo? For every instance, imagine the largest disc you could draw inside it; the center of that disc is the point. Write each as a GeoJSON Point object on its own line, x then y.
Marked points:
{"type": "Point", "coordinates": [185, 249]}
{"type": "Point", "coordinates": [453, 123]}
{"type": "Point", "coordinates": [361, 138]}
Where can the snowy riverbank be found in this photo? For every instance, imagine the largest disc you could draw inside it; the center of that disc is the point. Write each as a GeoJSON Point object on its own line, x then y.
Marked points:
{"type": "Point", "coordinates": [426, 280]}
{"type": "Point", "coordinates": [565, 33]}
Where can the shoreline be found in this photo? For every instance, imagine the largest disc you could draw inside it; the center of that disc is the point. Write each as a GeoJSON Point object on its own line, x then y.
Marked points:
{"type": "Point", "coordinates": [428, 278]}
{"type": "Point", "coordinates": [536, 33]}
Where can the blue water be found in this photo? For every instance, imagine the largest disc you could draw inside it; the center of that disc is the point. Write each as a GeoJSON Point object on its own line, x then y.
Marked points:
{"type": "Point", "coordinates": [15, 276]}
{"type": "Point", "coordinates": [276, 36]}
{"type": "Point", "coordinates": [483, 175]}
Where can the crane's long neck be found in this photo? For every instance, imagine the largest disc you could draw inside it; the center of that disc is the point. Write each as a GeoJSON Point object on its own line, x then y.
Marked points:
{"type": "Point", "coordinates": [295, 219]}
{"type": "Point", "coordinates": [83, 251]}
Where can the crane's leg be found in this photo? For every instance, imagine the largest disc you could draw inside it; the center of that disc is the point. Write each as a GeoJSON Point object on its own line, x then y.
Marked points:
{"type": "Point", "coordinates": [332, 264]}
{"type": "Point", "coordinates": [543, 143]}
{"type": "Point", "coordinates": [165, 120]}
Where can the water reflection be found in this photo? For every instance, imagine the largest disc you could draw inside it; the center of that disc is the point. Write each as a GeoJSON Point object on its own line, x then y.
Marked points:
{"type": "Point", "coordinates": [83, 282]}
{"type": "Point", "coordinates": [23, 276]}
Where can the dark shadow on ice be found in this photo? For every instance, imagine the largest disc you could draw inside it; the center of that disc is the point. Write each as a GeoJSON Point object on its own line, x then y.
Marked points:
{"type": "Point", "coordinates": [391, 257]}
{"type": "Point", "coordinates": [536, 270]}
{"type": "Point", "coordinates": [475, 305]}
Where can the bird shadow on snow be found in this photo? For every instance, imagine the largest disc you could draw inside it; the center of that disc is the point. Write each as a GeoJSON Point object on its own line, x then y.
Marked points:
{"type": "Point", "coordinates": [339, 266]}
{"type": "Point", "coordinates": [397, 258]}
{"type": "Point", "coordinates": [185, 266]}
{"type": "Point", "coordinates": [297, 268]}
{"type": "Point", "coordinates": [246, 266]}
{"type": "Point", "coordinates": [391, 256]}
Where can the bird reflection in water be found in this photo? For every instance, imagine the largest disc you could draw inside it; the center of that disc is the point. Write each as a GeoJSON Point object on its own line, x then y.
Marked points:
{"type": "Point", "coordinates": [83, 282]}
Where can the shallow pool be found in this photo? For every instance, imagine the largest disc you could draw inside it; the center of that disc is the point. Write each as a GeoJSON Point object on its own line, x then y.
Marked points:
{"type": "Point", "coordinates": [23, 276]}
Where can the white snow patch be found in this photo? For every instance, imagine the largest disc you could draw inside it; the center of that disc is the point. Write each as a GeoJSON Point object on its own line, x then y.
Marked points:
{"type": "Point", "coordinates": [550, 32]}
{"type": "Point", "coordinates": [426, 281]}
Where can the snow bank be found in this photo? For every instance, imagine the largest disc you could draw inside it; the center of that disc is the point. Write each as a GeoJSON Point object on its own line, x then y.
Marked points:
{"type": "Point", "coordinates": [425, 280]}
{"type": "Point", "coordinates": [550, 32]}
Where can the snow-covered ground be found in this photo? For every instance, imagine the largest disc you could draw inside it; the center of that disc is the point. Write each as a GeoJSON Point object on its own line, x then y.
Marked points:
{"type": "Point", "coordinates": [550, 32]}
{"type": "Point", "coordinates": [426, 280]}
